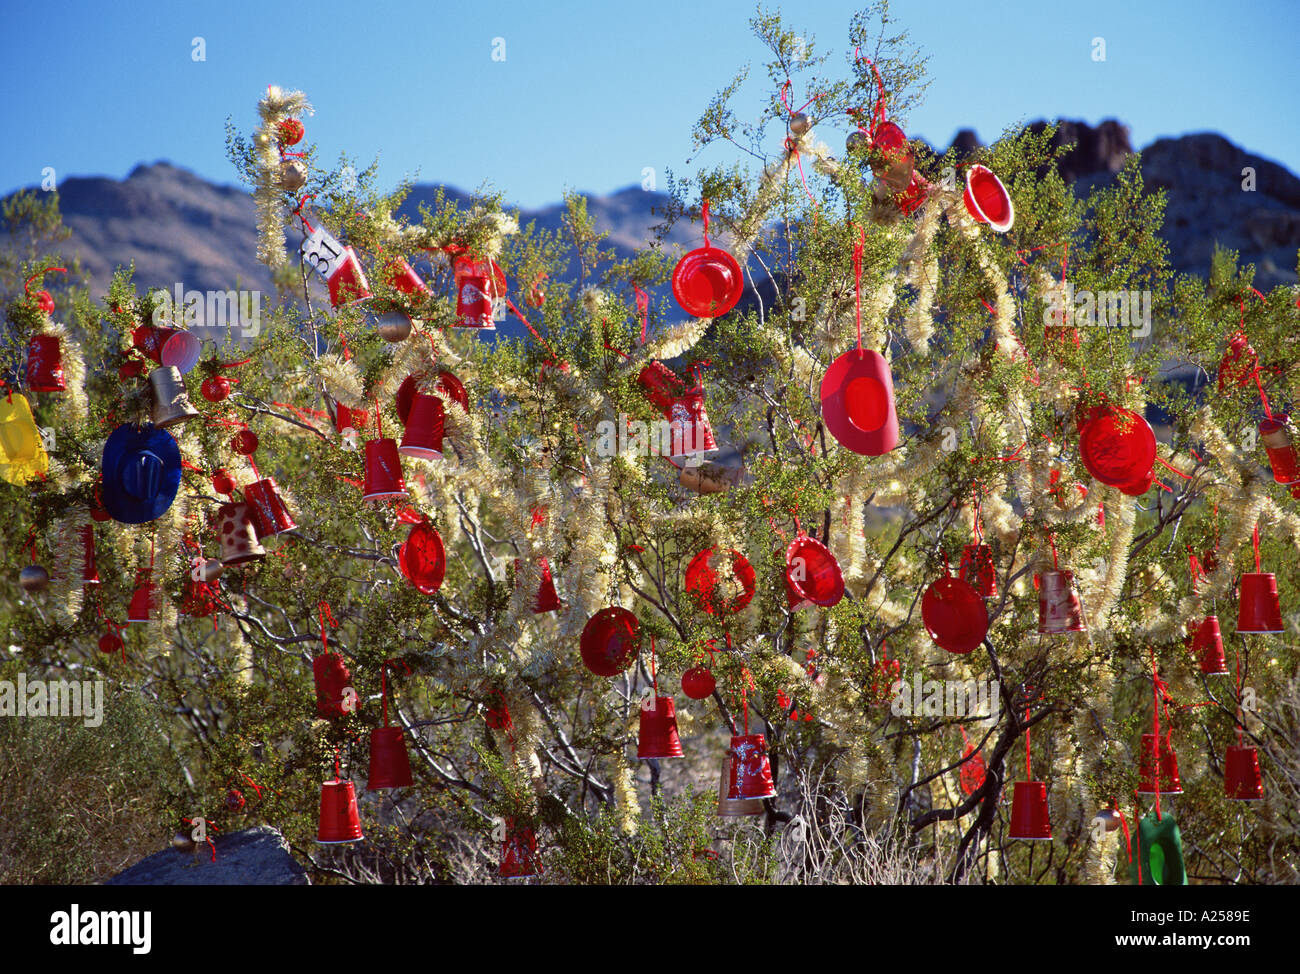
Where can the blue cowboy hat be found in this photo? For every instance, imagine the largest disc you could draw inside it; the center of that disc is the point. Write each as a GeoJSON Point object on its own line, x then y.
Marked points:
{"type": "Point", "coordinates": [141, 471]}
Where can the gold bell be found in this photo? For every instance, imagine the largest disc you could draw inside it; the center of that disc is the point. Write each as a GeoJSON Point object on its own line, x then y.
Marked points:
{"type": "Point", "coordinates": [171, 403]}
{"type": "Point", "coordinates": [734, 807]}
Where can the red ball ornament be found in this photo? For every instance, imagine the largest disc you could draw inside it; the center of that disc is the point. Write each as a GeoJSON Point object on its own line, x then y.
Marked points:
{"type": "Point", "coordinates": [698, 682]}
{"type": "Point", "coordinates": [110, 643]}
{"type": "Point", "coordinates": [245, 442]}
{"type": "Point", "coordinates": [45, 302]}
{"type": "Point", "coordinates": [222, 482]}
{"type": "Point", "coordinates": [215, 389]}
{"type": "Point", "coordinates": [235, 800]}
{"type": "Point", "coordinates": [290, 131]}
{"type": "Point", "coordinates": [131, 369]}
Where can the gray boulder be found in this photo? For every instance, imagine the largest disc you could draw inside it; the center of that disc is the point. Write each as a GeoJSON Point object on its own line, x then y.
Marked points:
{"type": "Point", "coordinates": [251, 857]}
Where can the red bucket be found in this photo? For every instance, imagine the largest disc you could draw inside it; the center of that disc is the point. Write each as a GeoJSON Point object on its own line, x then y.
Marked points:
{"type": "Point", "coordinates": [339, 821]}
{"type": "Point", "coordinates": [812, 575]}
{"type": "Point", "coordinates": [721, 581]}
{"type": "Point", "coordinates": [857, 395]}
{"type": "Point", "coordinates": [170, 347]}
{"type": "Point", "coordinates": [267, 509]}
{"type": "Point", "coordinates": [423, 436]}
{"type": "Point", "coordinates": [1242, 780]}
{"type": "Point", "coordinates": [423, 559]}
{"type": "Point", "coordinates": [610, 641]}
{"type": "Point", "coordinates": [1155, 752]}
{"type": "Point", "coordinates": [750, 771]}
{"type": "Point", "coordinates": [45, 364]}
{"type": "Point", "coordinates": [658, 732]}
{"type": "Point", "coordinates": [383, 471]}
{"type": "Point", "coordinates": [332, 680]}
{"type": "Point", "coordinates": [347, 282]}
{"type": "Point", "coordinates": [1030, 821]}
{"type": "Point", "coordinates": [954, 615]}
{"type": "Point", "coordinates": [987, 200]}
{"type": "Point", "coordinates": [390, 767]}
{"type": "Point", "coordinates": [707, 282]}
{"type": "Point", "coordinates": [1208, 647]}
{"type": "Point", "coordinates": [1058, 604]}
{"type": "Point", "coordinates": [1275, 434]}
{"type": "Point", "coordinates": [1258, 608]}
{"type": "Point", "coordinates": [978, 569]}
{"type": "Point", "coordinates": [1118, 447]}
{"type": "Point", "coordinates": [689, 426]}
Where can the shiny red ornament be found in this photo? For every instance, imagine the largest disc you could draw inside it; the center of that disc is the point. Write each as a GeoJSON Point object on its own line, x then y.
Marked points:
{"type": "Point", "coordinates": [610, 641]}
{"type": "Point", "coordinates": [290, 131]}
{"type": "Point", "coordinates": [215, 388]}
{"type": "Point", "coordinates": [245, 442]}
{"type": "Point", "coordinates": [698, 682]}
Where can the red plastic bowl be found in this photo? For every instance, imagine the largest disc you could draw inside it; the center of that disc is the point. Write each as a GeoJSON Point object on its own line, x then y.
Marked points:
{"type": "Point", "coordinates": [822, 582]}
{"type": "Point", "coordinates": [857, 396]}
{"type": "Point", "coordinates": [954, 615]}
{"type": "Point", "coordinates": [610, 641]}
{"type": "Point", "coordinates": [423, 559]}
{"type": "Point", "coordinates": [702, 580]}
{"type": "Point", "coordinates": [1118, 447]}
{"type": "Point", "coordinates": [708, 282]}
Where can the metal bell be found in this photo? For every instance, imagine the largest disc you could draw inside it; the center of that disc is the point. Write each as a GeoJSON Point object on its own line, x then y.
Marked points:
{"type": "Point", "coordinates": [171, 403]}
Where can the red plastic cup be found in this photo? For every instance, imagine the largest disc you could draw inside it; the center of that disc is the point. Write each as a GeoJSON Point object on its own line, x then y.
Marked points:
{"type": "Point", "coordinates": [332, 680]}
{"type": "Point", "coordinates": [347, 282]}
{"type": "Point", "coordinates": [897, 166]}
{"type": "Point", "coordinates": [1258, 608]}
{"type": "Point", "coordinates": [1059, 609]}
{"type": "Point", "coordinates": [610, 641]}
{"type": "Point", "coordinates": [954, 615]}
{"type": "Point", "coordinates": [691, 433]}
{"type": "Point", "coordinates": [661, 385]}
{"type": "Point", "coordinates": [339, 821]}
{"type": "Point", "coordinates": [548, 600]}
{"type": "Point", "coordinates": [658, 732]}
{"type": "Point", "coordinates": [474, 303]}
{"type": "Point", "coordinates": [1242, 780]}
{"type": "Point", "coordinates": [45, 364]}
{"type": "Point", "coordinates": [143, 600]}
{"type": "Point", "coordinates": [170, 347]}
{"type": "Point", "coordinates": [383, 471]}
{"type": "Point", "coordinates": [518, 852]}
{"type": "Point", "coordinates": [749, 773]}
{"type": "Point", "coordinates": [390, 766]}
{"type": "Point", "coordinates": [987, 200]}
{"type": "Point", "coordinates": [401, 275]}
{"type": "Point", "coordinates": [978, 569]}
{"type": "Point", "coordinates": [267, 509]}
{"type": "Point", "coordinates": [1030, 821]}
{"type": "Point", "coordinates": [1118, 447]}
{"type": "Point", "coordinates": [89, 571]}
{"type": "Point", "coordinates": [423, 436]}
{"type": "Point", "coordinates": [1208, 647]}
{"type": "Point", "coordinates": [1156, 753]}
{"type": "Point", "coordinates": [1276, 437]}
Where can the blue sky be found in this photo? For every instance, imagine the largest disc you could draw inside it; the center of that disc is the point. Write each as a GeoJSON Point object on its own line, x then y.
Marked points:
{"type": "Point", "coordinates": [591, 93]}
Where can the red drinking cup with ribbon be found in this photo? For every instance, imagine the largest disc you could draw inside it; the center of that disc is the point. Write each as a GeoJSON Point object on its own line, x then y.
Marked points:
{"type": "Point", "coordinates": [169, 347]}
{"type": "Point", "coordinates": [1118, 447]}
{"type": "Point", "coordinates": [1030, 821]}
{"type": "Point", "coordinates": [954, 615]}
{"type": "Point", "coordinates": [390, 765]}
{"type": "Point", "coordinates": [423, 558]}
{"type": "Point", "coordinates": [707, 282]}
{"type": "Point", "coordinates": [1242, 780]}
{"type": "Point", "coordinates": [45, 364]}
{"type": "Point", "coordinates": [750, 771]}
{"type": "Point", "coordinates": [1207, 646]}
{"type": "Point", "coordinates": [339, 820]}
{"type": "Point", "coordinates": [1275, 434]}
{"type": "Point", "coordinates": [987, 200]}
{"type": "Point", "coordinates": [267, 509]}
{"type": "Point", "coordinates": [384, 480]}
{"type": "Point", "coordinates": [812, 575]}
{"type": "Point", "coordinates": [423, 436]}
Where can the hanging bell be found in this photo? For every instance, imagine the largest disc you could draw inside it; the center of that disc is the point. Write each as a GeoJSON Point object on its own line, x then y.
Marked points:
{"type": "Point", "coordinates": [423, 436]}
{"type": "Point", "coordinates": [267, 508]}
{"type": "Point", "coordinates": [332, 680]}
{"type": "Point", "coordinates": [1059, 610]}
{"type": "Point", "coordinates": [390, 766]}
{"type": "Point", "coordinates": [657, 737]}
{"type": "Point", "coordinates": [171, 403]}
{"type": "Point", "coordinates": [383, 471]}
{"type": "Point", "coordinates": [237, 536]}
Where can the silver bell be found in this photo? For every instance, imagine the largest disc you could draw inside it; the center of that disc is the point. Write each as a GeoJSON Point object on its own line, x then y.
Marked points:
{"type": "Point", "coordinates": [171, 403]}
